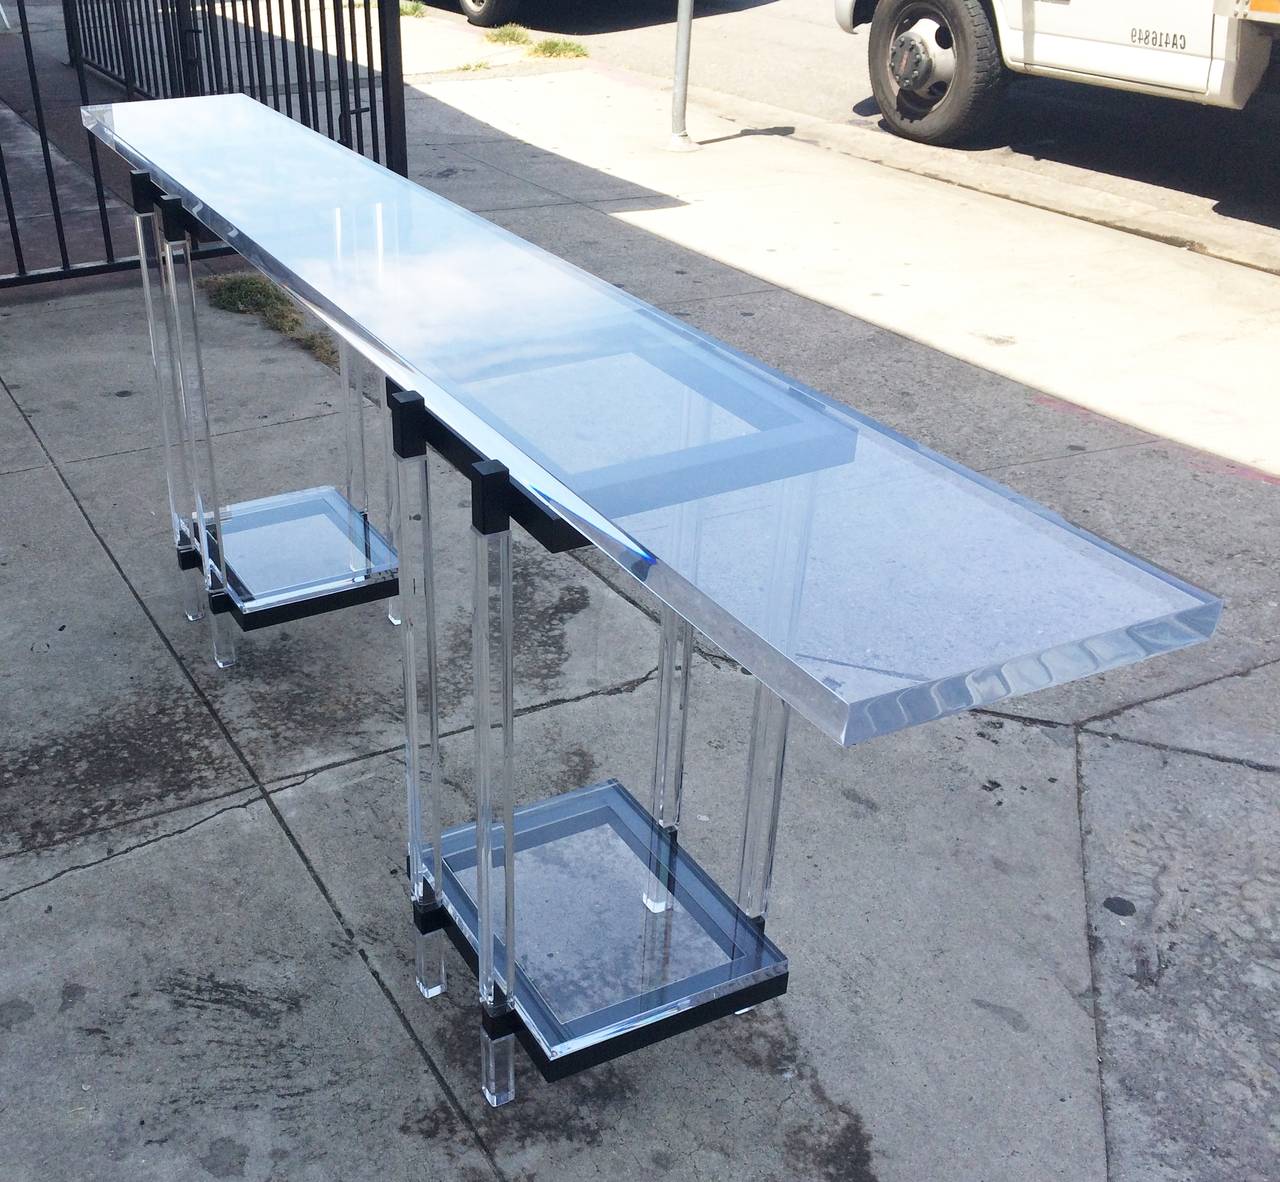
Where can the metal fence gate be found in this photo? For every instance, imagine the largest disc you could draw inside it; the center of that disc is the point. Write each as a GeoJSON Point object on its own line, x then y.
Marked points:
{"type": "Point", "coordinates": [334, 65]}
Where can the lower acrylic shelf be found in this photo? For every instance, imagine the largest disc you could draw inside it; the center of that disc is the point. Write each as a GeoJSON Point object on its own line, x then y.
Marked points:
{"type": "Point", "coordinates": [301, 553]}
{"type": "Point", "coordinates": [622, 939]}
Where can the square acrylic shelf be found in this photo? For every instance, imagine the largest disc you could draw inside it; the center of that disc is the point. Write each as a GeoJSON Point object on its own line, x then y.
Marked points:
{"type": "Point", "coordinates": [622, 939]}
{"type": "Point", "coordinates": [301, 553]}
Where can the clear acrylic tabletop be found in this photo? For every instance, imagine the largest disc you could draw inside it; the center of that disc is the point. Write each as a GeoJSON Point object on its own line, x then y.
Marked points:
{"type": "Point", "coordinates": [871, 583]}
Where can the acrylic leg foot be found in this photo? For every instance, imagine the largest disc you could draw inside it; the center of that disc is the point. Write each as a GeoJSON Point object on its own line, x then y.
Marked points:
{"type": "Point", "coordinates": [429, 958]}
{"type": "Point", "coordinates": [191, 589]}
{"type": "Point", "coordinates": [498, 1068]}
{"type": "Point", "coordinates": [224, 639]}
{"type": "Point", "coordinates": [656, 897]}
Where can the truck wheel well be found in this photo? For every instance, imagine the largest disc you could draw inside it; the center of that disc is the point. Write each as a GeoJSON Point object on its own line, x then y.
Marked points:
{"type": "Point", "coordinates": [864, 10]}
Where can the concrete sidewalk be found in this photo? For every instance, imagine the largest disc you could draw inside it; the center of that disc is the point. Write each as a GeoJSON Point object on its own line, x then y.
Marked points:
{"type": "Point", "coordinates": [201, 885]}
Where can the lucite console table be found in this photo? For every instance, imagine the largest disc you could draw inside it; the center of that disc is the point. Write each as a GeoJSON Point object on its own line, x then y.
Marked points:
{"type": "Point", "coordinates": [865, 581]}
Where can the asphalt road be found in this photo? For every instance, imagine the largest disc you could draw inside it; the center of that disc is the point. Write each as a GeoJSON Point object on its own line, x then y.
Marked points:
{"type": "Point", "coordinates": [791, 54]}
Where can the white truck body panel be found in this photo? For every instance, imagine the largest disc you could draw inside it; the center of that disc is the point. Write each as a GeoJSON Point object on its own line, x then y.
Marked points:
{"type": "Point", "coordinates": [1163, 42]}
{"type": "Point", "coordinates": [1207, 51]}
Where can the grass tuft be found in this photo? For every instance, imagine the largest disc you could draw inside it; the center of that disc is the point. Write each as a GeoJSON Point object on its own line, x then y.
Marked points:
{"type": "Point", "coordinates": [475, 66]}
{"type": "Point", "coordinates": [558, 47]}
{"type": "Point", "coordinates": [252, 295]}
{"type": "Point", "coordinates": [412, 8]}
{"type": "Point", "coordinates": [509, 35]}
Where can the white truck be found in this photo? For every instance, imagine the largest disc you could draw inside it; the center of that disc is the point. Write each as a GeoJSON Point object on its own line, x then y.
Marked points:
{"type": "Point", "coordinates": [938, 67]}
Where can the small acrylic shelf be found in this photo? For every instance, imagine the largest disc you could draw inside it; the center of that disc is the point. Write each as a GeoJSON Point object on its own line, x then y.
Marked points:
{"type": "Point", "coordinates": [301, 553]}
{"type": "Point", "coordinates": [602, 968]}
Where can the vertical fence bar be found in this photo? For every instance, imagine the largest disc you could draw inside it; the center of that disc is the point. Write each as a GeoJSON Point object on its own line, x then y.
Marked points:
{"type": "Point", "coordinates": [369, 73]}
{"type": "Point", "coordinates": [232, 31]}
{"type": "Point", "coordinates": [38, 107]}
{"type": "Point", "coordinates": [271, 58]}
{"type": "Point", "coordinates": [124, 31]}
{"type": "Point", "coordinates": [11, 216]}
{"type": "Point", "coordinates": [66, 21]}
{"type": "Point", "coordinates": [189, 48]}
{"type": "Point", "coordinates": [253, 17]}
{"type": "Point", "coordinates": [167, 33]}
{"type": "Point", "coordinates": [94, 167]}
{"type": "Point", "coordinates": [280, 44]}
{"type": "Point", "coordinates": [90, 20]}
{"type": "Point", "coordinates": [153, 56]}
{"type": "Point", "coordinates": [111, 40]}
{"type": "Point", "coordinates": [209, 34]}
{"type": "Point", "coordinates": [89, 34]}
{"type": "Point", "coordinates": [356, 105]}
{"type": "Point", "coordinates": [311, 66]}
{"type": "Point", "coordinates": [166, 61]}
{"type": "Point", "coordinates": [393, 86]}
{"type": "Point", "coordinates": [300, 54]}
{"type": "Point", "coordinates": [340, 56]}
{"type": "Point", "coordinates": [324, 68]}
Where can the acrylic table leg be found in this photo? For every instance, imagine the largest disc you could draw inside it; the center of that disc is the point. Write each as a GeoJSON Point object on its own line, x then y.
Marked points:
{"type": "Point", "coordinates": [422, 719]}
{"type": "Point", "coordinates": [351, 367]}
{"type": "Point", "coordinates": [180, 291]}
{"type": "Point", "coordinates": [168, 410]}
{"type": "Point", "coordinates": [394, 530]}
{"type": "Point", "coordinates": [768, 748]}
{"type": "Point", "coordinates": [765, 760]}
{"type": "Point", "coordinates": [675, 656]}
{"type": "Point", "coordinates": [493, 669]}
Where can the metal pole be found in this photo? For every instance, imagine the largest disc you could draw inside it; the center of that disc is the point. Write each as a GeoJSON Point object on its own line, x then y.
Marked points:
{"type": "Point", "coordinates": [680, 141]}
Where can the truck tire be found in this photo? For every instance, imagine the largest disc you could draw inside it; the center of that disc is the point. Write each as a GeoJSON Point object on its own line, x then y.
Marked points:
{"type": "Point", "coordinates": [936, 69]}
{"type": "Point", "coordinates": [488, 14]}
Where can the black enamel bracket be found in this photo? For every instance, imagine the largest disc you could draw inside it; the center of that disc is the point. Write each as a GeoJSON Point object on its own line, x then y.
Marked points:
{"type": "Point", "coordinates": [414, 429]}
{"type": "Point", "coordinates": [176, 222]}
{"type": "Point", "coordinates": [303, 609]}
{"type": "Point", "coordinates": [429, 917]}
{"type": "Point", "coordinates": [143, 191]}
{"type": "Point", "coordinates": [552, 1070]}
{"type": "Point", "coordinates": [499, 1021]}
{"type": "Point", "coordinates": [147, 197]}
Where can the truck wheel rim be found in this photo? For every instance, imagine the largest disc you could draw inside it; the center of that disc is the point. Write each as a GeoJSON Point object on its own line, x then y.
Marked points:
{"type": "Point", "coordinates": [922, 59]}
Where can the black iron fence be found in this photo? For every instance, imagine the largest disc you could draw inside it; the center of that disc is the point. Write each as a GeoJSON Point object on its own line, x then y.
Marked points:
{"type": "Point", "coordinates": [334, 65]}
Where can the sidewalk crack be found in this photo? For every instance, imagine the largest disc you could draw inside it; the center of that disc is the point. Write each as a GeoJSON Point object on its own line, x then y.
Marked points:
{"type": "Point", "coordinates": [1155, 745]}
{"type": "Point", "coordinates": [1107, 715]}
{"type": "Point", "coordinates": [1099, 1022]}
{"type": "Point", "coordinates": [140, 845]}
